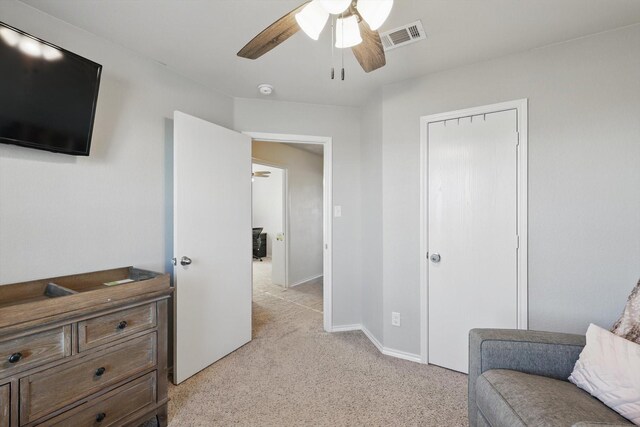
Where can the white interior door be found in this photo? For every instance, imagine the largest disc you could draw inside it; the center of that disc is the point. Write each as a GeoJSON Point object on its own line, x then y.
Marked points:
{"type": "Point", "coordinates": [472, 231]}
{"type": "Point", "coordinates": [212, 228]}
{"type": "Point", "coordinates": [279, 252]}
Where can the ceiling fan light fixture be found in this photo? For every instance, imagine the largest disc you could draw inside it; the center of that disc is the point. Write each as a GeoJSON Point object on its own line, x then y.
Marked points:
{"type": "Point", "coordinates": [347, 32]}
{"type": "Point", "coordinates": [312, 19]}
{"type": "Point", "coordinates": [375, 12]}
{"type": "Point", "coordinates": [335, 7]}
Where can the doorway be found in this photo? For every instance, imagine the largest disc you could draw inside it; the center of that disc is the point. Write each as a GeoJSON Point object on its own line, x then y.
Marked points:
{"type": "Point", "coordinates": [297, 249]}
{"type": "Point", "coordinates": [473, 227]}
{"type": "Point", "coordinates": [287, 223]}
{"type": "Point", "coordinates": [212, 272]}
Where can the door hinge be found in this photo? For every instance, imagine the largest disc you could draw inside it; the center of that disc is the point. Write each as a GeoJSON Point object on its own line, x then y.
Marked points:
{"type": "Point", "coordinates": [517, 138]}
{"type": "Point", "coordinates": [517, 241]}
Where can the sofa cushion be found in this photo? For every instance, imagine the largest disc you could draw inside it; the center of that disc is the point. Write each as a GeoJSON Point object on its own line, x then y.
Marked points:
{"type": "Point", "coordinates": [511, 398]}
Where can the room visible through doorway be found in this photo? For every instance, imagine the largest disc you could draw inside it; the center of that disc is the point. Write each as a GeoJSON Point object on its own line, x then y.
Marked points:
{"type": "Point", "coordinates": [287, 221]}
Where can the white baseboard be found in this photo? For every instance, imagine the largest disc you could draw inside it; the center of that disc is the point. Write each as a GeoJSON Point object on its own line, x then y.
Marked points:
{"type": "Point", "coordinates": [412, 357]}
{"type": "Point", "coordinates": [346, 328]}
{"type": "Point", "coordinates": [373, 339]}
{"type": "Point", "coordinates": [308, 279]}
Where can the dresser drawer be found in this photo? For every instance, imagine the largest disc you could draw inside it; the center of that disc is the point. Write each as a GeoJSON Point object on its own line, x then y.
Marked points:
{"type": "Point", "coordinates": [112, 407]}
{"type": "Point", "coordinates": [27, 352]}
{"type": "Point", "coordinates": [44, 392]}
{"type": "Point", "coordinates": [103, 329]}
{"type": "Point", "coordinates": [5, 405]}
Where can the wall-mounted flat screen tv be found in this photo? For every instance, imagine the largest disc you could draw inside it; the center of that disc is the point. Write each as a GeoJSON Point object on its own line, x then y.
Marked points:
{"type": "Point", "coordinates": [48, 95]}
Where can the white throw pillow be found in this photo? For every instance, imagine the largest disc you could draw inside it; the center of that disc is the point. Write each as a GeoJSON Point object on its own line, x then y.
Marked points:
{"type": "Point", "coordinates": [609, 369]}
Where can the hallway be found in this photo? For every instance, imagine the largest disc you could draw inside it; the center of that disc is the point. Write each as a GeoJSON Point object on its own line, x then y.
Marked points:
{"type": "Point", "coordinates": [307, 295]}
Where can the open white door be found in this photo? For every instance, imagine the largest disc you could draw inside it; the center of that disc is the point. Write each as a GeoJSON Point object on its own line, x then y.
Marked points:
{"type": "Point", "coordinates": [212, 243]}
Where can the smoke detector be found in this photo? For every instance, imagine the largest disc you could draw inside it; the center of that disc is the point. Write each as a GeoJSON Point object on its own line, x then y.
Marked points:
{"type": "Point", "coordinates": [265, 89]}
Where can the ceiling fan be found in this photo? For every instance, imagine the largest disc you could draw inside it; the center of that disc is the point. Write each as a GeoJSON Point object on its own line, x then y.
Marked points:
{"type": "Point", "coordinates": [260, 174]}
{"type": "Point", "coordinates": [356, 22]}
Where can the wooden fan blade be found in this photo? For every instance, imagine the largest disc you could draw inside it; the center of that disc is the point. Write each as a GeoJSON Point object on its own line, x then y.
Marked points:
{"type": "Point", "coordinates": [369, 53]}
{"type": "Point", "coordinates": [272, 36]}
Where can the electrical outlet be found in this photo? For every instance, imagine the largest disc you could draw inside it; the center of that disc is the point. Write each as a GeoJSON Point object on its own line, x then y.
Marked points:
{"type": "Point", "coordinates": [395, 318]}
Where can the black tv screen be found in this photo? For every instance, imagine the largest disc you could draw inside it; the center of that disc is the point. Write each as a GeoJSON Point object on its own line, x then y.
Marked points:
{"type": "Point", "coordinates": [47, 94]}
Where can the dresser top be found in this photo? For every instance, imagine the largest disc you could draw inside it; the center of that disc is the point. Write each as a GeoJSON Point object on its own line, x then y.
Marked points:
{"type": "Point", "coordinates": [39, 302]}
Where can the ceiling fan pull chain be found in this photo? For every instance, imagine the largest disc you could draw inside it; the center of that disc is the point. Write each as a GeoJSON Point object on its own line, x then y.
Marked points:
{"type": "Point", "coordinates": [342, 29]}
{"type": "Point", "coordinates": [333, 36]}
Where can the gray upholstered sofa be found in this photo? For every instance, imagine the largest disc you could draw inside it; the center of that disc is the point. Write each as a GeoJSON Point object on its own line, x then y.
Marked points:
{"type": "Point", "coordinates": [519, 378]}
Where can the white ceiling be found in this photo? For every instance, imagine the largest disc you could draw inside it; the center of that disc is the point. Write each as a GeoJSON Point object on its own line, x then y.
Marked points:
{"type": "Point", "coordinates": [199, 39]}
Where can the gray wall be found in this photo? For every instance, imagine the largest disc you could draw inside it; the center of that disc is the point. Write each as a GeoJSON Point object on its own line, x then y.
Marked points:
{"type": "Point", "coordinates": [62, 214]}
{"type": "Point", "coordinates": [371, 193]}
{"type": "Point", "coordinates": [584, 177]}
{"type": "Point", "coordinates": [343, 124]}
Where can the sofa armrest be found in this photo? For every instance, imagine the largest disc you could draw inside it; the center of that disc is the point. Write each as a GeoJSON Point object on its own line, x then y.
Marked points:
{"type": "Point", "coordinates": [548, 354]}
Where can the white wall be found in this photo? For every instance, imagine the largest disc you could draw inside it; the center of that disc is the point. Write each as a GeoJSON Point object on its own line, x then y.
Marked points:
{"type": "Point", "coordinates": [584, 179]}
{"type": "Point", "coordinates": [371, 226]}
{"type": "Point", "coordinates": [304, 177]}
{"type": "Point", "coordinates": [267, 204]}
{"type": "Point", "coordinates": [61, 214]}
{"type": "Point", "coordinates": [343, 124]}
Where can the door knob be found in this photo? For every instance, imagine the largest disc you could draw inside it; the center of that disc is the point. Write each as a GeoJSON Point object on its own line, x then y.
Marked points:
{"type": "Point", "coordinates": [435, 257]}
{"type": "Point", "coordinates": [185, 260]}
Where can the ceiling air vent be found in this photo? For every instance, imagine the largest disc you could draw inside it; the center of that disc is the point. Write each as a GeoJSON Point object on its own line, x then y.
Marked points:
{"type": "Point", "coordinates": [402, 36]}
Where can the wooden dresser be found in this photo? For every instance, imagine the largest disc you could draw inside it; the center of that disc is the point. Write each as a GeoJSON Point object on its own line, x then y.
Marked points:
{"type": "Point", "coordinates": [75, 351]}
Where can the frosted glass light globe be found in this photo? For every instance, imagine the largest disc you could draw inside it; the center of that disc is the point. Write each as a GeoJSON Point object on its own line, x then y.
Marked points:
{"type": "Point", "coordinates": [347, 32]}
{"type": "Point", "coordinates": [375, 12]}
{"type": "Point", "coordinates": [312, 19]}
{"type": "Point", "coordinates": [335, 7]}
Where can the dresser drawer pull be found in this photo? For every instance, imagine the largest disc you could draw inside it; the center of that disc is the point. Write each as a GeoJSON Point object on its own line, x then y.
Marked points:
{"type": "Point", "coordinates": [101, 416]}
{"type": "Point", "coordinates": [15, 357]}
{"type": "Point", "coordinates": [100, 371]}
{"type": "Point", "coordinates": [122, 325]}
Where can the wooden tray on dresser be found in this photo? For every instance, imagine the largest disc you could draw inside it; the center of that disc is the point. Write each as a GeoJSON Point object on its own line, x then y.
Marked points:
{"type": "Point", "coordinates": [84, 350]}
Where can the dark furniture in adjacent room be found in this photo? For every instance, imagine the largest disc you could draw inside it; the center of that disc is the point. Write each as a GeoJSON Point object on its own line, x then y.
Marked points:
{"type": "Point", "coordinates": [259, 243]}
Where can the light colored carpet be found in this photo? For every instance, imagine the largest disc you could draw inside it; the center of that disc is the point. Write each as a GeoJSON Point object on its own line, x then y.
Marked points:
{"type": "Point", "coordinates": [308, 294]}
{"type": "Point", "coordinates": [295, 374]}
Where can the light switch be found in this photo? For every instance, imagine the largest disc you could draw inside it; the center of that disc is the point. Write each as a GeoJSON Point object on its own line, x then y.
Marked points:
{"type": "Point", "coordinates": [337, 211]}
